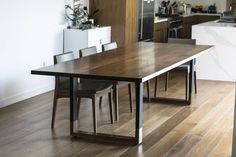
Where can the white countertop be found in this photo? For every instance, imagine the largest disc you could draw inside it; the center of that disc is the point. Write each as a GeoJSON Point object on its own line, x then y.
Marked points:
{"type": "Point", "coordinates": [158, 20]}
{"type": "Point", "coordinates": [216, 24]}
{"type": "Point", "coordinates": [208, 14]}
{"type": "Point", "coordinates": [220, 63]}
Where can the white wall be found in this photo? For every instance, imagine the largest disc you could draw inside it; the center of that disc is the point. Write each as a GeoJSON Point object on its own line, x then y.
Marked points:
{"type": "Point", "coordinates": [220, 4]}
{"type": "Point", "coordinates": [30, 33]}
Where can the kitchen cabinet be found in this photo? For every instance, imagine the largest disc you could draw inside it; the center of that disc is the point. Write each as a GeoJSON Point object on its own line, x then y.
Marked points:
{"type": "Point", "coordinates": [76, 39]}
{"type": "Point", "coordinates": [189, 21]}
{"type": "Point", "coordinates": [207, 18]}
{"type": "Point", "coordinates": [160, 33]}
{"type": "Point", "coordinates": [233, 4]}
{"type": "Point", "coordinates": [121, 15]}
{"type": "Point", "coordinates": [187, 26]}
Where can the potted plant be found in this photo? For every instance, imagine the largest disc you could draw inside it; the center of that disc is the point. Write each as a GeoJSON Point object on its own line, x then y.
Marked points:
{"type": "Point", "coordinates": [78, 16]}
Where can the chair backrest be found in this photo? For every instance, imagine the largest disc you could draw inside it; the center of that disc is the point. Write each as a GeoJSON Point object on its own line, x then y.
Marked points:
{"type": "Point", "coordinates": [88, 51]}
{"type": "Point", "coordinates": [182, 41]}
{"type": "Point", "coordinates": [63, 57]}
{"type": "Point", "coordinates": [109, 46]}
{"type": "Point", "coordinates": [62, 81]}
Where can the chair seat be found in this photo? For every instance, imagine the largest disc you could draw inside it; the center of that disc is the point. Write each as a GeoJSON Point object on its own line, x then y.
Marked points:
{"type": "Point", "coordinates": [93, 88]}
{"type": "Point", "coordinates": [182, 67]}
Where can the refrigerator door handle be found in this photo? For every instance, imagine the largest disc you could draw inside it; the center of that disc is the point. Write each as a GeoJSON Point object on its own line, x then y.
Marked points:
{"type": "Point", "coordinates": [141, 27]}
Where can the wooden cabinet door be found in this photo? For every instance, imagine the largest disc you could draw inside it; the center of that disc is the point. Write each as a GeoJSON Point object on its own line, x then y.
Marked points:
{"type": "Point", "coordinates": [186, 31]}
{"type": "Point", "coordinates": [188, 22]}
{"type": "Point", "coordinates": [187, 27]}
{"type": "Point", "coordinates": [207, 18]}
{"type": "Point", "coordinates": [233, 4]}
{"type": "Point", "coordinates": [160, 33]}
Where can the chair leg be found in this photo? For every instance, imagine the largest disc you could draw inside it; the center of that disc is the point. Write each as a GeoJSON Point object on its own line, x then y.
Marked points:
{"type": "Point", "coordinates": [148, 91]}
{"type": "Point", "coordinates": [155, 90]}
{"type": "Point", "coordinates": [110, 106]}
{"type": "Point", "coordinates": [54, 110]}
{"type": "Point", "coordinates": [167, 81]}
{"type": "Point", "coordinates": [186, 84]}
{"type": "Point", "coordinates": [115, 93]}
{"type": "Point", "coordinates": [100, 102]}
{"type": "Point", "coordinates": [94, 115]}
{"type": "Point", "coordinates": [130, 97]}
{"type": "Point", "coordinates": [195, 81]}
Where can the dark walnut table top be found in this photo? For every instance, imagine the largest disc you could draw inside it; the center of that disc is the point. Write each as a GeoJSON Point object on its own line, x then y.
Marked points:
{"type": "Point", "coordinates": [135, 63]}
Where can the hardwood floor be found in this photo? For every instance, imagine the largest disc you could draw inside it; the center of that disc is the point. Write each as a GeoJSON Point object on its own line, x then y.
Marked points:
{"type": "Point", "coordinates": [202, 129]}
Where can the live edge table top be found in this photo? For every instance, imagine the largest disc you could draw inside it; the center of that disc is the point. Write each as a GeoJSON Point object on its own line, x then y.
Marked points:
{"type": "Point", "coordinates": [135, 63]}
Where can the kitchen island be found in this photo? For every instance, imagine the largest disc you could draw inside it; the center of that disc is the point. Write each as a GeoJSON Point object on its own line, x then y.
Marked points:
{"type": "Point", "coordinates": [220, 64]}
{"type": "Point", "coordinates": [162, 24]}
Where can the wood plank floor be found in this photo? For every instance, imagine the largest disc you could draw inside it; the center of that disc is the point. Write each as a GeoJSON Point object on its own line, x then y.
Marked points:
{"type": "Point", "coordinates": [202, 129]}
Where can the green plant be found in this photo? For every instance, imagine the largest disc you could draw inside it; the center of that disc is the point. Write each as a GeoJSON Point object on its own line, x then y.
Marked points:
{"type": "Point", "coordinates": [76, 15]}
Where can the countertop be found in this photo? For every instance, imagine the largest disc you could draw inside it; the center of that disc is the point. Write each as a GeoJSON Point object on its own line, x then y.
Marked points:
{"type": "Point", "coordinates": [216, 24]}
{"type": "Point", "coordinates": [220, 63]}
{"type": "Point", "coordinates": [158, 20]}
{"type": "Point", "coordinates": [208, 14]}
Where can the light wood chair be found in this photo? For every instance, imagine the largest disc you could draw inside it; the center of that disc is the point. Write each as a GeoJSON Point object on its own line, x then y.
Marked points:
{"type": "Point", "coordinates": [90, 90]}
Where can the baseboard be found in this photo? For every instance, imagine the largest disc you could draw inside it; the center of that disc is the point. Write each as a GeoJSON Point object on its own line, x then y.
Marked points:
{"type": "Point", "coordinates": [26, 95]}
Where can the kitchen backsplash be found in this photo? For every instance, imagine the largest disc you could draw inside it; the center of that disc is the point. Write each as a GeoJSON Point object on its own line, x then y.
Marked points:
{"type": "Point", "coordinates": [220, 4]}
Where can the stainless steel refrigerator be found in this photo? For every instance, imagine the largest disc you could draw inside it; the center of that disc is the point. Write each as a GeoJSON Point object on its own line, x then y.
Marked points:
{"type": "Point", "coordinates": [146, 20]}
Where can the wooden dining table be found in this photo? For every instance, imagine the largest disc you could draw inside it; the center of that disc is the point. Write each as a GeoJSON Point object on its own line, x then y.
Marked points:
{"type": "Point", "coordinates": [135, 63]}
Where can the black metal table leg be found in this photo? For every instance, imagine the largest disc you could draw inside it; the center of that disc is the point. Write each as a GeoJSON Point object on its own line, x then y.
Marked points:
{"type": "Point", "coordinates": [73, 105]}
{"type": "Point", "coordinates": [74, 132]}
{"type": "Point", "coordinates": [190, 86]}
{"type": "Point", "coordinates": [139, 112]}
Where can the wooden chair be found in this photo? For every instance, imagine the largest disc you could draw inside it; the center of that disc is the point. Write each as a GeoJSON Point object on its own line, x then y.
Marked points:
{"type": "Point", "coordinates": [185, 67]}
{"type": "Point", "coordinates": [85, 90]}
{"type": "Point", "coordinates": [92, 50]}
